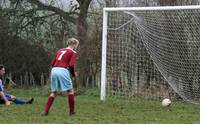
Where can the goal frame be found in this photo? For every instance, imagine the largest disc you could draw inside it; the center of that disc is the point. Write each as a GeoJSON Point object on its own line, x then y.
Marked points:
{"type": "Point", "coordinates": [106, 10]}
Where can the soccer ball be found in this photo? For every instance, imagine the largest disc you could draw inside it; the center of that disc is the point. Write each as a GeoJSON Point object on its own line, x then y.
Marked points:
{"type": "Point", "coordinates": [166, 102]}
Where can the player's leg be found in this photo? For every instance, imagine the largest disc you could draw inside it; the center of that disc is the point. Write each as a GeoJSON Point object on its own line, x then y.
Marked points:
{"type": "Point", "coordinates": [65, 83]}
{"type": "Point", "coordinates": [22, 101]}
{"type": "Point", "coordinates": [49, 103]}
{"type": "Point", "coordinates": [53, 94]}
{"type": "Point", "coordinates": [30, 101]}
{"type": "Point", "coordinates": [14, 99]}
{"type": "Point", "coordinates": [71, 102]}
{"type": "Point", "coordinates": [17, 100]}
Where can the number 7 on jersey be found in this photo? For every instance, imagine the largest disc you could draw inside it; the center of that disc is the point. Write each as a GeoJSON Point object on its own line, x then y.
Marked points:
{"type": "Point", "coordinates": [61, 55]}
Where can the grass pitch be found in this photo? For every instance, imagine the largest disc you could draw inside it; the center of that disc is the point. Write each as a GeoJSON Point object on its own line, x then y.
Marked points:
{"type": "Point", "coordinates": [90, 110]}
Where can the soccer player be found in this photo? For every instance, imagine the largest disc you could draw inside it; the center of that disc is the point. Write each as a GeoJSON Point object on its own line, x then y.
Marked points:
{"type": "Point", "coordinates": [6, 98]}
{"type": "Point", "coordinates": [63, 68]}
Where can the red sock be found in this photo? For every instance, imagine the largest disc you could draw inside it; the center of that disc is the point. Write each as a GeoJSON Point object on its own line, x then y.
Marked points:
{"type": "Point", "coordinates": [49, 103]}
{"type": "Point", "coordinates": [71, 102]}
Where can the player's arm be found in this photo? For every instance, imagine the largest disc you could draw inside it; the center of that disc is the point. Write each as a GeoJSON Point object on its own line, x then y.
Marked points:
{"type": "Point", "coordinates": [53, 61]}
{"type": "Point", "coordinates": [72, 65]}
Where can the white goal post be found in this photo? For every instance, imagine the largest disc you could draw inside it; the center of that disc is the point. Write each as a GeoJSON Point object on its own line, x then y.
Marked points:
{"type": "Point", "coordinates": [148, 36]}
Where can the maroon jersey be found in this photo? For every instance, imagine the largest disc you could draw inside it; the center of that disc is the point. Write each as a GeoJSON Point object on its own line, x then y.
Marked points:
{"type": "Point", "coordinates": [66, 58]}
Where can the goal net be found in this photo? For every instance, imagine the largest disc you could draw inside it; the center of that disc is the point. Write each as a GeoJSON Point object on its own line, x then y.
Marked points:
{"type": "Point", "coordinates": [152, 52]}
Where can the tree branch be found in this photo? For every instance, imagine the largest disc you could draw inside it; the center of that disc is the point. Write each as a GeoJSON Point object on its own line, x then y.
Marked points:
{"type": "Point", "coordinates": [80, 1]}
{"type": "Point", "coordinates": [36, 19]}
{"type": "Point", "coordinates": [65, 15]}
{"type": "Point", "coordinates": [17, 3]}
{"type": "Point", "coordinates": [84, 7]}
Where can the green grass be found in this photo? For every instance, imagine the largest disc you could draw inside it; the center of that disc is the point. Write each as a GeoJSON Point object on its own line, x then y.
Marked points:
{"type": "Point", "coordinates": [90, 110]}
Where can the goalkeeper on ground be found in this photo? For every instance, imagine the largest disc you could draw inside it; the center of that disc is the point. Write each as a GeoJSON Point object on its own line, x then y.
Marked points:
{"type": "Point", "coordinates": [6, 98]}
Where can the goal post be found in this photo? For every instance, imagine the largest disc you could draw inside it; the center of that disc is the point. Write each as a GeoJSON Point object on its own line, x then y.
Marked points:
{"type": "Point", "coordinates": [172, 61]}
{"type": "Point", "coordinates": [103, 65]}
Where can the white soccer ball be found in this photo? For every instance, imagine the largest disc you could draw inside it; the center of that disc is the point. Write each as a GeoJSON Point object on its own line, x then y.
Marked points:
{"type": "Point", "coordinates": [166, 102]}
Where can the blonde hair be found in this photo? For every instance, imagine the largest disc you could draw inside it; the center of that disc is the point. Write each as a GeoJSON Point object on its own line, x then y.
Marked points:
{"type": "Point", "coordinates": [72, 41]}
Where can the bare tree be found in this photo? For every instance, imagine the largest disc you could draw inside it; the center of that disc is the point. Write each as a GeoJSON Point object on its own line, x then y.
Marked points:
{"type": "Point", "coordinates": [77, 15]}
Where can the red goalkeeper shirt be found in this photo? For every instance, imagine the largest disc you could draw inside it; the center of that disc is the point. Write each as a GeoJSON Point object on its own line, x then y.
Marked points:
{"type": "Point", "coordinates": [66, 58]}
